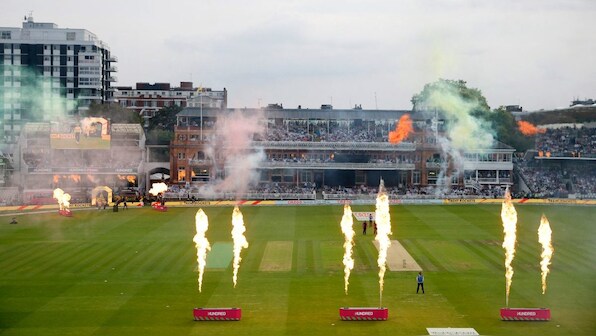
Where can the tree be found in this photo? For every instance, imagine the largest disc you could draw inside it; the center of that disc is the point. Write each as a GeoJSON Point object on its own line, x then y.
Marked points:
{"type": "Point", "coordinates": [507, 131]}
{"type": "Point", "coordinates": [161, 125]}
{"type": "Point", "coordinates": [165, 119]}
{"type": "Point", "coordinates": [114, 112]}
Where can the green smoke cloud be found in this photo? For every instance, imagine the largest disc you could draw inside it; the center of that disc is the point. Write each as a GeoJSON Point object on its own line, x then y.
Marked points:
{"type": "Point", "coordinates": [40, 98]}
{"type": "Point", "coordinates": [464, 130]}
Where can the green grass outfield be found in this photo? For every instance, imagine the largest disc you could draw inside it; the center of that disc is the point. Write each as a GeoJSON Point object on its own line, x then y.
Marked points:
{"type": "Point", "coordinates": [134, 272]}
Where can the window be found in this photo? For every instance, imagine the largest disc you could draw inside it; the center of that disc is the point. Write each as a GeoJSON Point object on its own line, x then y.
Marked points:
{"type": "Point", "coordinates": [181, 174]}
{"type": "Point", "coordinates": [5, 35]}
{"type": "Point", "coordinates": [181, 156]}
{"type": "Point", "coordinates": [70, 36]}
{"type": "Point", "coordinates": [416, 177]}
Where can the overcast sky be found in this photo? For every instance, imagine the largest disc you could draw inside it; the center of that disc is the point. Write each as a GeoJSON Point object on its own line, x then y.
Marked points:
{"type": "Point", "coordinates": [534, 53]}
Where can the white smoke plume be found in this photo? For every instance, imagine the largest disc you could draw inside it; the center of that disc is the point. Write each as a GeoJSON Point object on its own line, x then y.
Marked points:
{"type": "Point", "coordinates": [231, 149]}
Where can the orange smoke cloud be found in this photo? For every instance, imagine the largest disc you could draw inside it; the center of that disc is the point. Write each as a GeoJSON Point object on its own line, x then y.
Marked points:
{"type": "Point", "coordinates": [403, 128]}
{"type": "Point", "coordinates": [528, 129]}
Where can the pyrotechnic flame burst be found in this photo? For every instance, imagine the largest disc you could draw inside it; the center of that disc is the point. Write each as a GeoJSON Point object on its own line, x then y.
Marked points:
{"type": "Point", "coordinates": [403, 128]}
{"type": "Point", "coordinates": [157, 188]}
{"type": "Point", "coordinates": [63, 198]}
{"type": "Point", "coordinates": [383, 221]}
{"type": "Point", "coordinates": [240, 241]}
{"type": "Point", "coordinates": [544, 237]}
{"type": "Point", "coordinates": [509, 218]}
{"type": "Point", "coordinates": [201, 242]}
{"type": "Point", "coordinates": [347, 227]}
{"type": "Point", "coordinates": [527, 128]}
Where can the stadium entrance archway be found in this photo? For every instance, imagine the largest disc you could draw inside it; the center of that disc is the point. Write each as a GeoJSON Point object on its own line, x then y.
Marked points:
{"type": "Point", "coordinates": [101, 191]}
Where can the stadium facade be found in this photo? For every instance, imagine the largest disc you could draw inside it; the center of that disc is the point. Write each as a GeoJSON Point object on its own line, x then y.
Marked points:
{"type": "Point", "coordinates": [79, 156]}
{"type": "Point", "coordinates": [146, 98]}
{"type": "Point", "coordinates": [338, 147]}
{"type": "Point", "coordinates": [47, 71]}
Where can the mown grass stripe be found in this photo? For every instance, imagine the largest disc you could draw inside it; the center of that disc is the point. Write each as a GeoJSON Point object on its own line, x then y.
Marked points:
{"type": "Point", "coordinates": [579, 256]}
{"type": "Point", "coordinates": [109, 259]}
{"type": "Point", "coordinates": [188, 262]}
{"type": "Point", "coordinates": [147, 266]}
{"type": "Point", "coordinates": [56, 261]}
{"type": "Point", "coordinates": [364, 260]}
{"type": "Point", "coordinates": [331, 255]}
{"type": "Point", "coordinates": [422, 260]}
{"type": "Point", "coordinates": [44, 263]}
{"type": "Point", "coordinates": [429, 255]}
{"type": "Point", "coordinates": [33, 253]}
{"type": "Point", "coordinates": [316, 257]}
{"type": "Point", "coordinates": [488, 261]}
{"type": "Point", "coordinates": [309, 256]}
{"type": "Point", "coordinates": [564, 258]}
{"type": "Point", "coordinates": [79, 261]}
{"type": "Point", "coordinates": [253, 255]}
{"type": "Point", "coordinates": [173, 259]}
{"type": "Point", "coordinates": [299, 262]}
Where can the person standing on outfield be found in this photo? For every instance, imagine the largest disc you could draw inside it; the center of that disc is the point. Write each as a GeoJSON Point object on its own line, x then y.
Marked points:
{"type": "Point", "coordinates": [420, 280]}
{"type": "Point", "coordinates": [364, 228]}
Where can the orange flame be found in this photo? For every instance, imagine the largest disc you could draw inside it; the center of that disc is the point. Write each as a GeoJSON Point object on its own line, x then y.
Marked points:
{"type": "Point", "coordinates": [239, 239]}
{"type": "Point", "coordinates": [347, 227]}
{"type": "Point", "coordinates": [403, 128]}
{"type": "Point", "coordinates": [509, 218]}
{"type": "Point", "coordinates": [201, 242]}
{"type": "Point", "coordinates": [75, 178]}
{"type": "Point", "coordinates": [544, 237]}
{"type": "Point", "coordinates": [383, 220]}
{"type": "Point", "coordinates": [62, 198]}
{"type": "Point", "coordinates": [528, 129]}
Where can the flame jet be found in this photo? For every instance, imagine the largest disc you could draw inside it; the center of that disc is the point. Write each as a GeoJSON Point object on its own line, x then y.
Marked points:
{"type": "Point", "coordinates": [544, 237]}
{"type": "Point", "coordinates": [201, 242]}
{"type": "Point", "coordinates": [157, 188]}
{"type": "Point", "coordinates": [509, 218]}
{"type": "Point", "coordinates": [240, 242]}
{"type": "Point", "coordinates": [63, 199]}
{"type": "Point", "coordinates": [383, 221]}
{"type": "Point", "coordinates": [403, 128]}
{"type": "Point", "coordinates": [528, 129]}
{"type": "Point", "coordinates": [347, 227]}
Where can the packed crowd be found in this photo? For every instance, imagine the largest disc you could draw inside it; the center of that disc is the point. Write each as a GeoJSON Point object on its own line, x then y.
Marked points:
{"type": "Point", "coordinates": [9, 196]}
{"type": "Point", "coordinates": [364, 192]}
{"type": "Point", "coordinates": [543, 182]}
{"type": "Point", "coordinates": [332, 132]}
{"type": "Point", "coordinates": [567, 142]}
